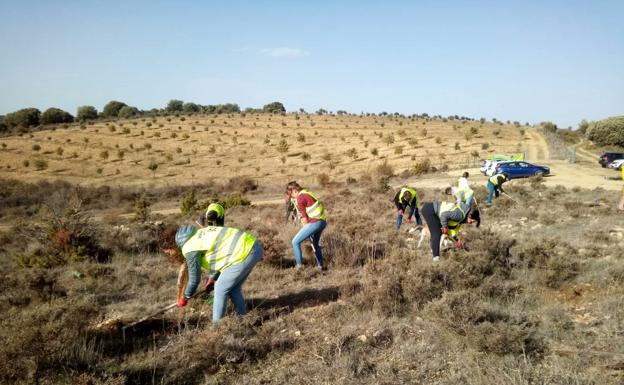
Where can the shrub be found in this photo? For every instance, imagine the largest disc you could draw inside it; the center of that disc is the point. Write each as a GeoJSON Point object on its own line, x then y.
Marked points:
{"type": "Point", "coordinates": [457, 147]}
{"type": "Point", "coordinates": [549, 126]}
{"type": "Point", "coordinates": [175, 105]}
{"type": "Point", "coordinates": [128, 112]}
{"type": "Point", "coordinates": [56, 115]}
{"type": "Point", "coordinates": [398, 150]}
{"type": "Point", "coordinates": [352, 153]}
{"type": "Point", "coordinates": [152, 166]}
{"type": "Point", "coordinates": [496, 132]}
{"type": "Point", "coordinates": [189, 203]}
{"type": "Point", "coordinates": [438, 140]}
{"type": "Point", "coordinates": [275, 107]}
{"type": "Point", "coordinates": [141, 208]}
{"type": "Point", "coordinates": [36, 147]}
{"type": "Point", "coordinates": [283, 146]}
{"type": "Point", "coordinates": [608, 131]}
{"type": "Point", "coordinates": [112, 108]}
{"type": "Point", "coordinates": [374, 151]}
{"type": "Point", "coordinates": [40, 164]}
{"type": "Point", "coordinates": [104, 154]}
{"type": "Point", "coordinates": [485, 146]}
{"type": "Point", "coordinates": [26, 117]}
{"type": "Point", "coordinates": [421, 167]}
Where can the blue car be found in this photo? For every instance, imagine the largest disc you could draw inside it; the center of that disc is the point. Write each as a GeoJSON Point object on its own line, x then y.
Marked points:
{"type": "Point", "coordinates": [521, 169]}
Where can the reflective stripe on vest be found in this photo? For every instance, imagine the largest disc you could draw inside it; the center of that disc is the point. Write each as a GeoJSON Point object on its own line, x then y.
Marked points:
{"type": "Point", "coordinates": [223, 246]}
{"type": "Point", "coordinates": [494, 179]}
{"type": "Point", "coordinates": [217, 208]}
{"type": "Point", "coordinates": [412, 194]}
{"type": "Point", "coordinates": [450, 206]}
{"type": "Point", "coordinates": [453, 227]}
{"type": "Point", "coordinates": [316, 211]}
{"type": "Point", "coordinates": [468, 192]}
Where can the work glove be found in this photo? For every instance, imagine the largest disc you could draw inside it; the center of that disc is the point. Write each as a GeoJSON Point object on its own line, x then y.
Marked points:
{"type": "Point", "coordinates": [459, 244]}
{"type": "Point", "coordinates": [445, 230]}
{"type": "Point", "coordinates": [182, 302]}
{"type": "Point", "coordinates": [209, 285]}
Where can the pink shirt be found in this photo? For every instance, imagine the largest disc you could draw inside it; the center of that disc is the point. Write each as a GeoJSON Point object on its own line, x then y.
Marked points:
{"type": "Point", "coordinates": [303, 201]}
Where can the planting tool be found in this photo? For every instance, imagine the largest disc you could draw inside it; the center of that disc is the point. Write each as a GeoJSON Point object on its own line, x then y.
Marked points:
{"type": "Point", "coordinates": [507, 195]}
{"type": "Point", "coordinates": [157, 312]}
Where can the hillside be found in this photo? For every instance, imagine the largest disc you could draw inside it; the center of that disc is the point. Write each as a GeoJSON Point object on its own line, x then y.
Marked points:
{"type": "Point", "coordinates": [198, 148]}
{"type": "Point", "coordinates": [536, 297]}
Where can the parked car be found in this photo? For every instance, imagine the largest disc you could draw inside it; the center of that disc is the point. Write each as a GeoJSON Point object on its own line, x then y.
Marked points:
{"type": "Point", "coordinates": [520, 169]}
{"type": "Point", "coordinates": [488, 167]}
{"type": "Point", "coordinates": [616, 164]}
{"type": "Point", "coordinates": [608, 157]}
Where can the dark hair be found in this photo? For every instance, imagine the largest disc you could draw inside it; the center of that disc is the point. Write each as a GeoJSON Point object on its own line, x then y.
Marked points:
{"type": "Point", "coordinates": [167, 238]}
{"type": "Point", "coordinates": [293, 186]}
{"type": "Point", "coordinates": [475, 215]}
{"type": "Point", "coordinates": [212, 219]}
{"type": "Point", "coordinates": [448, 190]}
{"type": "Point", "coordinates": [465, 174]}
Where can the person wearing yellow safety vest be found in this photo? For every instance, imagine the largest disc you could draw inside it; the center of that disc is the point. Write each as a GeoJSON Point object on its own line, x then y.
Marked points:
{"type": "Point", "coordinates": [495, 186]}
{"type": "Point", "coordinates": [446, 218]}
{"type": "Point", "coordinates": [404, 198]}
{"type": "Point", "coordinates": [313, 220]}
{"type": "Point", "coordinates": [461, 194]}
{"type": "Point", "coordinates": [214, 216]}
{"type": "Point", "coordinates": [231, 252]}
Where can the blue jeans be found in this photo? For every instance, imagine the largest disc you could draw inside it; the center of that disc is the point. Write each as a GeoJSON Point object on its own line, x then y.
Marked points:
{"type": "Point", "coordinates": [492, 190]}
{"type": "Point", "coordinates": [415, 213]}
{"type": "Point", "coordinates": [310, 230]}
{"type": "Point", "coordinates": [230, 282]}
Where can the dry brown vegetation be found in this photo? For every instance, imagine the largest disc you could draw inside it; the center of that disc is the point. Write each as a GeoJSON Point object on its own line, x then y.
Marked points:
{"type": "Point", "coordinates": [191, 149]}
{"type": "Point", "coordinates": [537, 297]}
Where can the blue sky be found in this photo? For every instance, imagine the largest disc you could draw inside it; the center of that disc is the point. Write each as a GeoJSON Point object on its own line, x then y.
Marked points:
{"type": "Point", "coordinates": [527, 60]}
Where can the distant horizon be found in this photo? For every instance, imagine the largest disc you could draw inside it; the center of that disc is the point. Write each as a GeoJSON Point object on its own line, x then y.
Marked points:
{"type": "Point", "coordinates": [529, 61]}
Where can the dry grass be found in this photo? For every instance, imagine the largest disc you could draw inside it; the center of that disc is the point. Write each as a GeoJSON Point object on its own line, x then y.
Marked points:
{"type": "Point", "coordinates": [254, 145]}
{"type": "Point", "coordinates": [521, 306]}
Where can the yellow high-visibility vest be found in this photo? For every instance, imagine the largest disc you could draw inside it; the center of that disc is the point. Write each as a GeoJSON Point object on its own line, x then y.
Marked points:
{"type": "Point", "coordinates": [316, 211]}
{"type": "Point", "coordinates": [453, 226]}
{"type": "Point", "coordinates": [494, 179]}
{"type": "Point", "coordinates": [223, 246]}
{"type": "Point", "coordinates": [412, 192]}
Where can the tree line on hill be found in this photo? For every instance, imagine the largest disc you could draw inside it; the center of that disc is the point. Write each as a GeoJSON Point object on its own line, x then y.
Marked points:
{"type": "Point", "coordinates": [33, 117]}
{"type": "Point", "coordinates": [609, 131]}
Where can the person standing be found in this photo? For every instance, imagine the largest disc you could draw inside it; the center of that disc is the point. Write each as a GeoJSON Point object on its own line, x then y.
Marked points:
{"type": "Point", "coordinates": [495, 186]}
{"type": "Point", "coordinates": [404, 198]}
{"type": "Point", "coordinates": [230, 252]}
{"type": "Point", "coordinates": [313, 219]}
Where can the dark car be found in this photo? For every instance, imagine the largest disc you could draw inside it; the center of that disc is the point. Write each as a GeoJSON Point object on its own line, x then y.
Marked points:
{"type": "Point", "coordinates": [608, 157]}
{"type": "Point", "coordinates": [520, 169]}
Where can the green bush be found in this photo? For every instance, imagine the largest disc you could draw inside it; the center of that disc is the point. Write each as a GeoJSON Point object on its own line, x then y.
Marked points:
{"type": "Point", "coordinates": [112, 108]}
{"type": "Point", "coordinates": [275, 108]}
{"type": "Point", "coordinates": [86, 113]}
{"type": "Point", "coordinates": [175, 105]}
{"type": "Point", "coordinates": [608, 131]}
{"type": "Point", "coordinates": [421, 167]}
{"type": "Point", "coordinates": [26, 117]}
{"type": "Point", "coordinates": [128, 112]}
{"type": "Point", "coordinates": [56, 115]}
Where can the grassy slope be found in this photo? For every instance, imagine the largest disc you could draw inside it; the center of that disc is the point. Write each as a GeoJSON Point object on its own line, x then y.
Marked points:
{"type": "Point", "coordinates": [523, 306]}
{"type": "Point", "coordinates": [339, 146]}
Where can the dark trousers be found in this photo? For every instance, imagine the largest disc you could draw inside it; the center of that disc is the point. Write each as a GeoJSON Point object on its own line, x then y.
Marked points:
{"type": "Point", "coordinates": [435, 227]}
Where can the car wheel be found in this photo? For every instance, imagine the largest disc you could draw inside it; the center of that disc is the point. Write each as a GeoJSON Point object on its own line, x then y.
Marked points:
{"type": "Point", "coordinates": [539, 173]}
